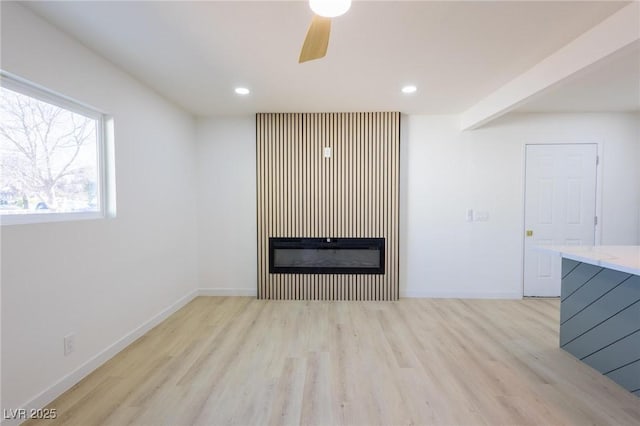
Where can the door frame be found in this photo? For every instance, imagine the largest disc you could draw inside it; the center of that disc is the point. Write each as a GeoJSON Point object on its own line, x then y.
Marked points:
{"type": "Point", "coordinates": [598, 228]}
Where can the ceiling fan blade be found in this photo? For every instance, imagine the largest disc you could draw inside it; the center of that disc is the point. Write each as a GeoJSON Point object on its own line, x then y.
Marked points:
{"type": "Point", "coordinates": [317, 40]}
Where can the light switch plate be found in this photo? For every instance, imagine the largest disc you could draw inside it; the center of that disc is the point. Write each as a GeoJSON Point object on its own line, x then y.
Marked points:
{"type": "Point", "coordinates": [469, 215]}
{"type": "Point", "coordinates": [481, 216]}
{"type": "Point", "coordinates": [327, 152]}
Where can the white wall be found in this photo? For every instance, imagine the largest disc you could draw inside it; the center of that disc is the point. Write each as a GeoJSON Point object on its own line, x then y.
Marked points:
{"type": "Point", "coordinates": [227, 232]}
{"type": "Point", "coordinates": [443, 172]}
{"type": "Point", "coordinates": [101, 279]}
{"type": "Point", "coordinates": [446, 171]}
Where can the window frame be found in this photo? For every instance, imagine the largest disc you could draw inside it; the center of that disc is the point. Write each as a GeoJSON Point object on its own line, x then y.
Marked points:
{"type": "Point", "coordinates": [33, 90]}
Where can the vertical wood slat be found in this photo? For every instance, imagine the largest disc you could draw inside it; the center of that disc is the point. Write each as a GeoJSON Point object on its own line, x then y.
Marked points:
{"type": "Point", "coordinates": [355, 193]}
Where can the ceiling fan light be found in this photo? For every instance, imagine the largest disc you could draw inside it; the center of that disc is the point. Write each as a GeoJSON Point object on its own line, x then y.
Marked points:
{"type": "Point", "coordinates": [409, 89]}
{"type": "Point", "coordinates": [329, 8]}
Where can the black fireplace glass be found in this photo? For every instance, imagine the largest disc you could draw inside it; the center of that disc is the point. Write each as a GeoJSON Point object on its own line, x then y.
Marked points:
{"type": "Point", "coordinates": [326, 255]}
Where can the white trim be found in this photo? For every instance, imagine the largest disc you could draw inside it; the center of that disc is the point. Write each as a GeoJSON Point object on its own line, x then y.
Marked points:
{"type": "Point", "coordinates": [599, 191]}
{"type": "Point", "coordinates": [66, 382]}
{"type": "Point", "coordinates": [617, 32]}
{"type": "Point", "coordinates": [34, 90]}
{"type": "Point", "coordinates": [108, 165]}
{"type": "Point", "coordinates": [105, 191]}
{"type": "Point", "coordinates": [458, 294]}
{"type": "Point", "coordinates": [227, 292]}
{"type": "Point", "coordinates": [29, 218]}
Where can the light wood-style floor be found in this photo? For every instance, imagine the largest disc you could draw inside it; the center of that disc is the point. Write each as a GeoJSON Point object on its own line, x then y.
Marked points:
{"type": "Point", "coordinates": [242, 361]}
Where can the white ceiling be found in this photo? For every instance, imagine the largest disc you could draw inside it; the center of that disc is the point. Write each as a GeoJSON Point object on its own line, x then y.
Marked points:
{"type": "Point", "coordinates": [195, 53]}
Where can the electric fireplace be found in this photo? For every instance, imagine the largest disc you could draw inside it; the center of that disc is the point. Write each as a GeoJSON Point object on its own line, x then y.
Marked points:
{"type": "Point", "coordinates": [326, 255]}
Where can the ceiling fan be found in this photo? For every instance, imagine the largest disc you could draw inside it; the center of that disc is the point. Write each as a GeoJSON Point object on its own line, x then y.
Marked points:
{"type": "Point", "coordinates": [317, 40]}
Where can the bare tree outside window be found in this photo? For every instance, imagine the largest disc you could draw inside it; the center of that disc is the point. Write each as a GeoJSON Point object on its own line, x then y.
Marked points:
{"type": "Point", "coordinates": [48, 157]}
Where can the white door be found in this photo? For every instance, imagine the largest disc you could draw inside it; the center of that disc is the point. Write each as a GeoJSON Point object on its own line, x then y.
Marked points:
{"type": "Point", "coordinates": [560, 209]}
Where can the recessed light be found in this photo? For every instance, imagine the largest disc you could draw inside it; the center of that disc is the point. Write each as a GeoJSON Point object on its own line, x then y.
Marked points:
{"type": "Point", "coordinates": [331, 8]}
{"type": "Point", "coordinates": [242, 91]}
{"type": "Point", "coordinates": [409, 89]}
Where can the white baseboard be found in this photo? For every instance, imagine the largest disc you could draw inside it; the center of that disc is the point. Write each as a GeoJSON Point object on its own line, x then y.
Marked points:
{"type": "Point", "coordinates": [404, 294]}
{"type": "Point", "coordinates": [85, 369]}
{"type": "Point", "coordinates": [457, 295]}
{"type": "Point", "coordinates": [227, 292]}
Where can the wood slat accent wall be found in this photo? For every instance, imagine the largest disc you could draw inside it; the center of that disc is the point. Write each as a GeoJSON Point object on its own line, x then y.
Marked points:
{"type": "Point", "coordinates": [355, 193]}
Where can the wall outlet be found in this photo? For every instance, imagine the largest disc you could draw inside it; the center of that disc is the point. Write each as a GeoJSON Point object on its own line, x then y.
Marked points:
{"type": "Point", "coordinates": [69, 343]}
{"type": "Point", "coordinates": [327, 152]}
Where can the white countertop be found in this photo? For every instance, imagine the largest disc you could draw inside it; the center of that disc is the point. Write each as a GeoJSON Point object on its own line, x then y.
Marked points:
{"type": "Point", "coordinates": [621, 258]}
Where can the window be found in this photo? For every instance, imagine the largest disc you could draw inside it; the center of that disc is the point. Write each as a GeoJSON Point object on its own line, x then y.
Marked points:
{"type": "Point", "coordinates": [51, 156]}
